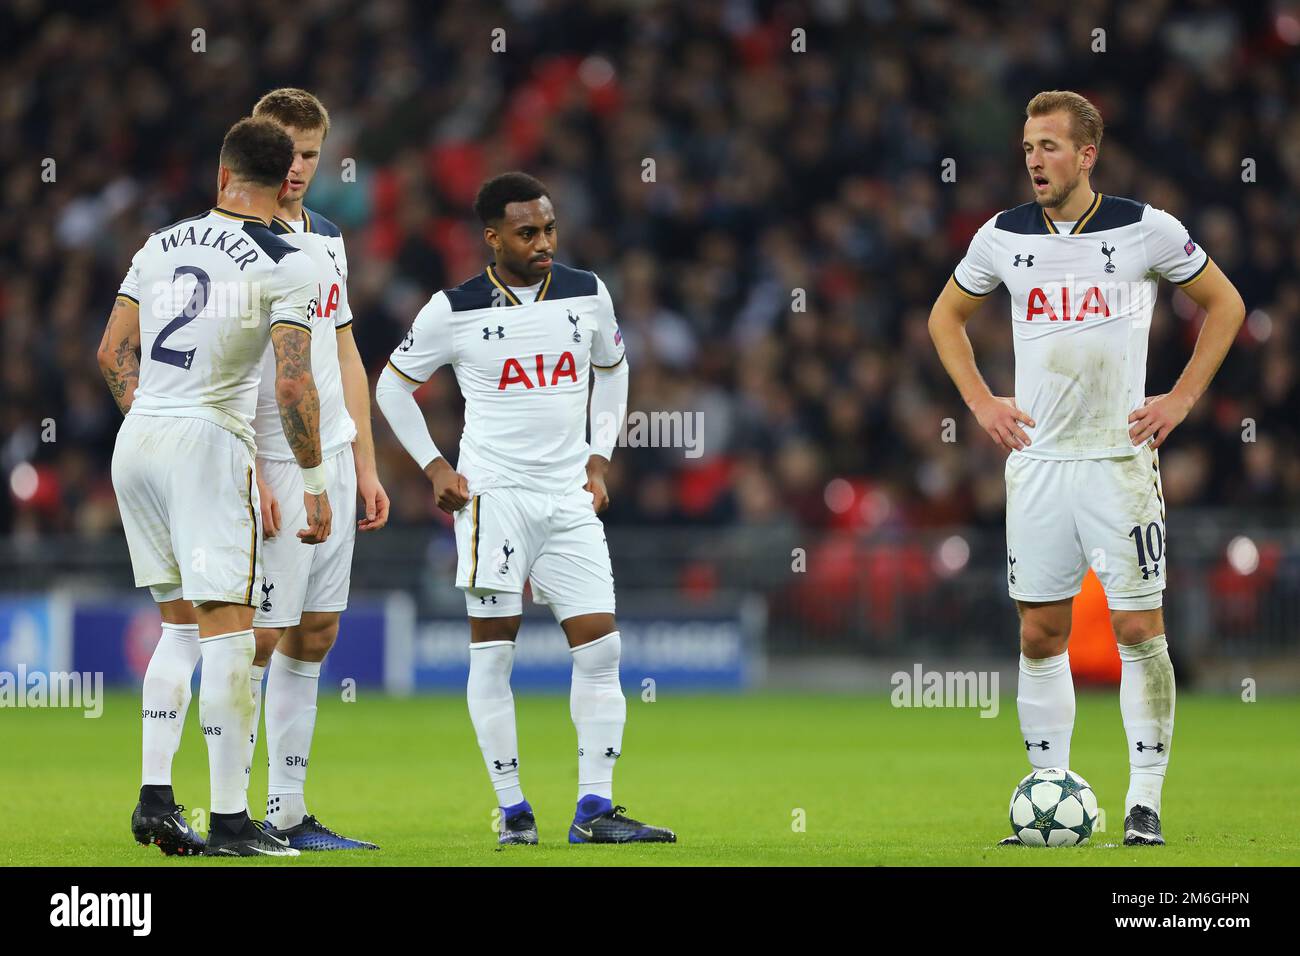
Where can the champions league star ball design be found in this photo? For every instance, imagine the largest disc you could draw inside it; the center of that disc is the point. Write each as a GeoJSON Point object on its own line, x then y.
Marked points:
{"type": "Point", "coordinates": [1053, 807]}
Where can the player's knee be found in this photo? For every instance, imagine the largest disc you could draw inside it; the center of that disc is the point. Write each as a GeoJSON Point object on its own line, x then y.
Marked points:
{"type": "Point", "coordinates": [493, 629]}
{"type": "Point", "coordinates": [1135, 627]}
{"type": "Point", "coordinates": [311, 638]}
{"type": "Point", "coordinates": [1038, 645]}
{"type": "Point", "coordinates": [1043, 637]}
{"type": "Point", "coordinates": [319, 636]}
{"type": "Point", "coordinates": [266, 639]}
{"type": "Point", "coordinates": [1044, 629]}
{"type": "Point", "coordinates": [585, 628]}
{"type": "Point", "coordinates": [178, 611]}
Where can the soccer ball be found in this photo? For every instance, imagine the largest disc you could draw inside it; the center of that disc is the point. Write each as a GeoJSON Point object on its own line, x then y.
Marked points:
{"type": "Point", "coordinates": [1053, 807]}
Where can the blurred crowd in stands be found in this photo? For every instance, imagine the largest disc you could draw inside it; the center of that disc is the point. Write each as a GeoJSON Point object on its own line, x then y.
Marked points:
{"type": "Point", "coordinates": [716, 178]}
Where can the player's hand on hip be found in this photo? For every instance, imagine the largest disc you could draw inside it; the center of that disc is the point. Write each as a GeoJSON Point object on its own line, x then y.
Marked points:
{"type": "Point", "coordinates": [376, 501]}
{"type": "Point", "coordinates": [1158, 416]}
{"type": "Point", "coordinates": [450, 489]}
{"type": "Point", "coordinates": [319, 518]}
{"type": "Point", "coordinates": [1002, 420]}
{"type": "Point", "coordinates": [270, 509]}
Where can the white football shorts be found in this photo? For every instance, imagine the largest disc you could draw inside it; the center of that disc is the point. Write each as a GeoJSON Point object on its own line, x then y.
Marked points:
{"type": "Point", "coordinates": [299, 577]}
{"type": "Point", "coordinates": [1063, 516]}
{"type": "Point", "coordinates": [189, 506]}
{"type": "Point", "coordinates": [505, 536]}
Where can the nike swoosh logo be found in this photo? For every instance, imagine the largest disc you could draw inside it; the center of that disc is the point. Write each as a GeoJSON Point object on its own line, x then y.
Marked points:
{"type": "Point", "coordinates": [258, 849]}
{"type": "Point", "coordinates": [584, 832]}
{"type": "Point", "coordinates": [272, 836]}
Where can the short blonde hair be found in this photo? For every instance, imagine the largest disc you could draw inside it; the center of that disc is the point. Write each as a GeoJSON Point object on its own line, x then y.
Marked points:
{"type": "Point", "coordinates": [1085, 120]}
{"type": "Point", "coordinates": [289, 106]}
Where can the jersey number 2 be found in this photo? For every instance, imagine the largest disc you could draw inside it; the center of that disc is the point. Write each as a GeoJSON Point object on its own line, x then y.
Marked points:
{"type": "Point", "coordinates": [198, 299]}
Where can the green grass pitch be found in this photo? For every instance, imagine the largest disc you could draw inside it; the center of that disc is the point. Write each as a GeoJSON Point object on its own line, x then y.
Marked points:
{"type": "Point", "coordinates": [733, 775]}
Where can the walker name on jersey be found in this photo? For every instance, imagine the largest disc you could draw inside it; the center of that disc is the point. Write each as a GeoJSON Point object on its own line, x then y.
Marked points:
{"type": "Point", "coordinates": [233, 242]}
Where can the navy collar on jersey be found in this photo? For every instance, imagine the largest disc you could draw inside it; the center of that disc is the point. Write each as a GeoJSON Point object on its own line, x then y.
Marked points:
{"type": "Point", "coordinates": [1083, 219]}
{"type": "Point", "coordinates": [505, 289]}
{"type": "Point", "coordinates": [239, 216]}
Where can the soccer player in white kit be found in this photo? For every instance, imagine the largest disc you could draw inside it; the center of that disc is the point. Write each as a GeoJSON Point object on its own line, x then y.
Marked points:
{"type": "Point", "coordinates": [523, 338]}
{"type": "Point", "coordinates": [182, 355]}
{"type": "Point", "coordinates": [1083, 478]}
{"type": "Point", "coordinates": [305, 589]}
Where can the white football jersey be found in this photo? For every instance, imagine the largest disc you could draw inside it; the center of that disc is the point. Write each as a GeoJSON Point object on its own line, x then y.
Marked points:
{"type": "Point", "coordinates": [209, 289]}
{"type": "Point", "coordinates": [322, 243]}
{"type": "Point", "coordinates": [1082, 296]}
{"type": "Point", "coordinates": [523, 359]}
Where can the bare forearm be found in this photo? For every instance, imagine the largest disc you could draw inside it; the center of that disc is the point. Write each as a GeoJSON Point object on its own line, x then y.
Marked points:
{"type": "Point", "coordinates": [119, 354]}
{"type": "Point", "coordinates": [123, 376]}
{"type": "Point", "coordinates": [295, 393]}
{"type": "Point", "coordinates": [300, 416]}
{"type": "Point", "coordinates": [958, 357]}
{"type": "Point", "coordinates": [1219, 331]}
{"type": "Point", "coordinates": [356, 396]}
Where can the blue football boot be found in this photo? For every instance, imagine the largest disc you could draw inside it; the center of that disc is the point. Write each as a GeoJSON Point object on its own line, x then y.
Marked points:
{"type": "Point", "coordinates": [597, 820]}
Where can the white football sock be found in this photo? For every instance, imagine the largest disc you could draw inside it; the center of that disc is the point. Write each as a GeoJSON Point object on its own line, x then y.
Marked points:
{"type": "Point", "coordinates": [290, 722]}
{"type": "Point", "coordinates": [1146, 702]}
{"type": "Point", "coordinates": [226, 712]}
{"type": "Point", "coordinates": [1045, 702]}
{"type": "Point", "coordinates": [165, 699]}
{"type": "Point", "coordinates": [492, 710]}
{"type": "Point", "coordinates": [255, 675]}
{"type": "Point", "coordinates": [599, 712]}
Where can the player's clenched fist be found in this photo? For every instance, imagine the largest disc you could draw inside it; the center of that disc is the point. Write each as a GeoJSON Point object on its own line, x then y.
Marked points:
{"type": "Point", "coordinates": [450, 489]}
{"type": "Point", "coordinates": [319, 518]}
{"type": "Point", "coordinates": [1002, 420]}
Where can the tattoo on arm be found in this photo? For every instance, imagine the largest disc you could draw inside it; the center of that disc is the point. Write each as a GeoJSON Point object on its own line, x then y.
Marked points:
{"type": "Point", "coordinates": [119, 353]}
{"type": "Point", "coordinates": [295, 392]}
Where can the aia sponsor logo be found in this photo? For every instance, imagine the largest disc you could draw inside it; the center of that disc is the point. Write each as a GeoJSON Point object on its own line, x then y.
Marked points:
{"type": "Point", "coordinates": [513, 372]}
{"type": "Point", "coordinates": [1044, 305]}
{"type": "Point", "coordinates": [331, 300]}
